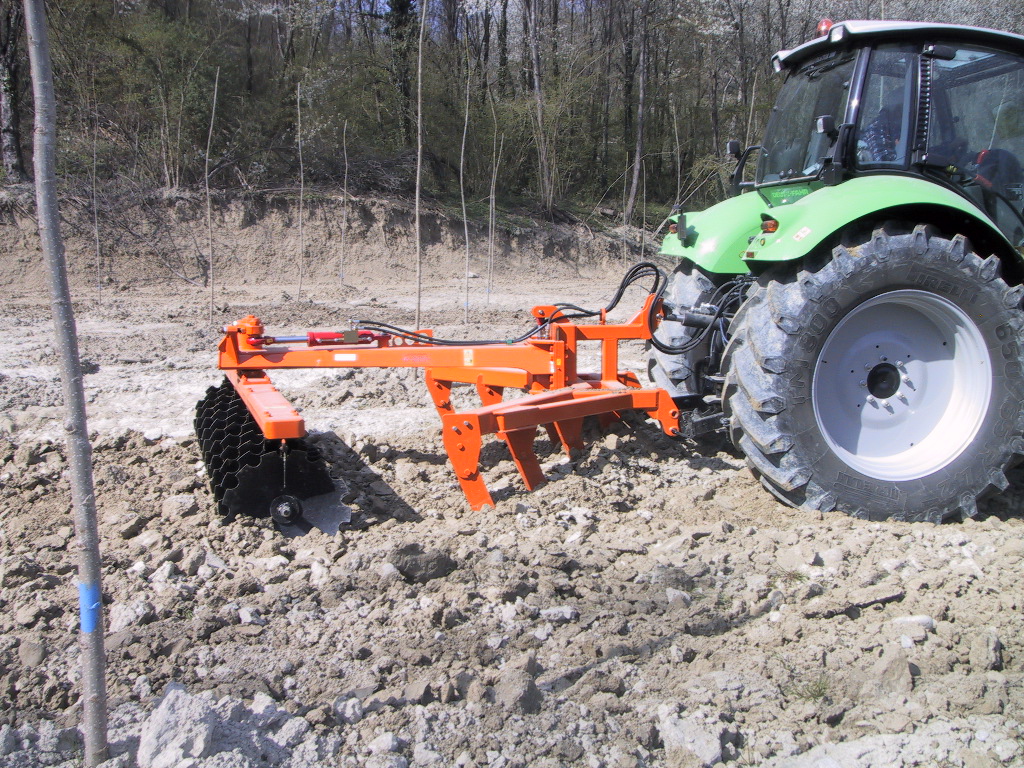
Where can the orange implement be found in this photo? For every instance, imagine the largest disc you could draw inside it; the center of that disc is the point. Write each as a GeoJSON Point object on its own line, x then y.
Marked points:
{"type": "Point", "coordinates": [274, 414]}
{"type": "Point", "coordinates": [545, 366]}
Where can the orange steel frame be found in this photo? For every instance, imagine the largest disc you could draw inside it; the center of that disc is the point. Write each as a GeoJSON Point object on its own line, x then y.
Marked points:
{"type": "Point", "coordinates": [560, 396]}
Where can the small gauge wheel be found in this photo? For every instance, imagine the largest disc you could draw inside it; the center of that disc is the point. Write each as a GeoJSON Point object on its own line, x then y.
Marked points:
{"type": "Point", "coordinates": [285, 510]}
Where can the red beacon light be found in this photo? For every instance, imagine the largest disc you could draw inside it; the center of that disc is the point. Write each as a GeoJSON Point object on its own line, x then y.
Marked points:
{"type": "Point", "coordinates": [824, 26]}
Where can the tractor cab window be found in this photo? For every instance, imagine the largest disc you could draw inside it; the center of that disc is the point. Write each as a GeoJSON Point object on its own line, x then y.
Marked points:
{"type": "Point", "coordinates": [793, 148]}
{"type": "Point", "coordinates": [884, 116]}
{"type": "Point", "coordinates": [976, 129]}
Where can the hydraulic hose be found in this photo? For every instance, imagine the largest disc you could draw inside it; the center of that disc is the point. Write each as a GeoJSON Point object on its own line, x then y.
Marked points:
{"type": "Point", "coordinates": [635, 273]}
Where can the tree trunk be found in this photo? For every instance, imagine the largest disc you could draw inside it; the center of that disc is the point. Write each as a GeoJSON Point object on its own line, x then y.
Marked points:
{"type": "Point", "coordinates": [419, 160]}
{"type": "Point", "coordinates": [545, 161]}
{"type": "Point", "coordinates": [640, 107]}
{"type": "Point", "coordinates": [11, 155]}
{"type": "Point", "coordinates": [401, 28]}
{"type": "Point", "coordinates": [79, 452]}
{"type": "Point", "coordinates": [503, 76]}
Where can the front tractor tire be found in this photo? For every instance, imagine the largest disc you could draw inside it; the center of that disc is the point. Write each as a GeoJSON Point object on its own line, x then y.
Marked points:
{"type": "Point", "coordinates": [885, 381]}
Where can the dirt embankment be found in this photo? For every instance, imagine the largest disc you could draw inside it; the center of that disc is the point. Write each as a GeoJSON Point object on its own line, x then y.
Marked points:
{"type": "Point", "coordinates": [651, 605]}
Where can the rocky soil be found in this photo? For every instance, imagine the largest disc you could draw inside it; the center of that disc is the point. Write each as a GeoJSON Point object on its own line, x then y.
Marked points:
{"type": "Point", "coordinates": [651, 605]}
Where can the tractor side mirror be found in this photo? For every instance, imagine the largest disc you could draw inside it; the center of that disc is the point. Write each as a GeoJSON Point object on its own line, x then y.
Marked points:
{"type": "Point", "coordinates": [826, 125]}
{"type": "Point", "coordinates": [736, 182]}
{"type": "Point", "coordinates": [941, 52]}
{"type": "Point", "coordinates": [732, 149]}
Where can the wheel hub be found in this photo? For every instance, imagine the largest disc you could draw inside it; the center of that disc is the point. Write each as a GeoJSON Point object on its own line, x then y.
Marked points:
{"type": "Point", "coordinates": [883, 380]}
{"type": "Point", "coordinates": [901, 385]}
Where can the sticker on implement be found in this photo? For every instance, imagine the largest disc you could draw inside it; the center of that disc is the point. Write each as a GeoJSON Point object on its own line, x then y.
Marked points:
{"type": "Point", "coordinates": [467, 357]}
{"type": "Point", "coordinates": [802, 234]}
{"type": "Point", "coordinates": [345, 357]}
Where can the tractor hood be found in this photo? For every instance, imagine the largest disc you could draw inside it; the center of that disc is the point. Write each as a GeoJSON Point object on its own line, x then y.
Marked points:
{"type": "Point", "coordinates": [727, 238]}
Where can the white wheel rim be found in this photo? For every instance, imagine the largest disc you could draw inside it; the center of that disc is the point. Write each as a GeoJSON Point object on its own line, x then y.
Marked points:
{"type": "Point", "coordinates": [902, 385]}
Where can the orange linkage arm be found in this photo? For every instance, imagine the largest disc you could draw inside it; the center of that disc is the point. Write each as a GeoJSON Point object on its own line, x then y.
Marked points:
{"type": "Point", "coordinates": [562, 397]}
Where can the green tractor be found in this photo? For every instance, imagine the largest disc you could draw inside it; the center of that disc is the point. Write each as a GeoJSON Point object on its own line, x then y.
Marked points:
{"type": "Point", "coordinates": [853, 314]}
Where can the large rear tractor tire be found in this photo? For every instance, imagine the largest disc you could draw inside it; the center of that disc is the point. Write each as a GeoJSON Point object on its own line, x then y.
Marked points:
{"type": "Point", "coordinates": [886, 381]}
{"type": "Point", "coordinates": [682, 374]}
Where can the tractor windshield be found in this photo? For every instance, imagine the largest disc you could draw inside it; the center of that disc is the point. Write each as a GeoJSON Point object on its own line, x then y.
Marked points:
{"type": "Point", "coordinates": [793, 148]}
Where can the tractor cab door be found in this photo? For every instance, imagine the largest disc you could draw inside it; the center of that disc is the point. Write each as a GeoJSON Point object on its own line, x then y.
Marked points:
{"type": "Point", "coordinates": [887, 109]}
{"type": "Point", "coordinates": [975, 129]}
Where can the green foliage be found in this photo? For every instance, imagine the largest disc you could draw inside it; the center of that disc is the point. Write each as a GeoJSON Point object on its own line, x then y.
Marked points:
{"type": "Point", "coordinates": [136, 92]}
{"type": "Point", "coordinates": [811, 687]}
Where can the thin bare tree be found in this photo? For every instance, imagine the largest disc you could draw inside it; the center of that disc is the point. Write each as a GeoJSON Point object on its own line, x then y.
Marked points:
{"type": "Point", "coordinates": [641, 110]}
{"type": "Point", "coordinates": [206, 177]}
{"type": "Point", "coordinates": [94, 693]}
{"type": "Point", "coordinates": [492, 215]}
{"type": "Point", "coordinates": [462, 184]}
{"type": "Point", "coordinates": [95, 201]}
{"type": "Point", "coordinates": [546, 167]}
{"type": "Point", "coordinates": [344, 204]}
{"type": "Point", "coordinates": [419, 159]}
{"type": "Point", "coordinates": [491, 207]}
{"type": "Point", "coordinates": [302, 185]}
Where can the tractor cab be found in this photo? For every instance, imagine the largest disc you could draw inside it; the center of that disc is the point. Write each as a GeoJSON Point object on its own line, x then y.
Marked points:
{"type": "Point", "coordinates": [934, 101]}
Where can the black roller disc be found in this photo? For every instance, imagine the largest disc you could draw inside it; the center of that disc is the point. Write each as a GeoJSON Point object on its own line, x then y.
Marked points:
{"type": "Point", "coordinates": [300, 474]}
{"type": "Point", "coordinates": [251, 475]}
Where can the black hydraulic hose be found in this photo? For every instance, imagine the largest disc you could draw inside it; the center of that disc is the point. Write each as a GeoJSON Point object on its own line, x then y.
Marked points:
{"type": "Point", "coordinates": [634, 274]}
{"type": "Point", "coordinates": [735, 289]}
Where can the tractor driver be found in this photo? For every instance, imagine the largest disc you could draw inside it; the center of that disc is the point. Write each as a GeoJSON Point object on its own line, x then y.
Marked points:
{"type": "Point", "coordinates": [879, 139]}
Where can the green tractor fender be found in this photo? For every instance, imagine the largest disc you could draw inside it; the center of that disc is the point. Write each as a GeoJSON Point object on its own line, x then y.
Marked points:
{"type": "Point", "coordinates": [727, 238]}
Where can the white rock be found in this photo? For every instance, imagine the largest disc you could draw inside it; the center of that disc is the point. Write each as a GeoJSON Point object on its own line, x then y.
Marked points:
{"type": "Point", "coordinates": [387, 761]}
{"type": "Point", "coordinates": [142, 688]}
{"type": "Point", "coordinates": [348, 710]}
{"type": "Point", "coordinates": [214, 561]}
{"type": "Point", "coordinates": [927, 622]}
{"type": "Point", "coordinates": [560, 613]}
{"type": "Point", "coordinates": [164, 573]}
{"type": "Point", "coordinates": [8, 740]}
{"type": "Point", "coordinates": [834, 557]}
{"type": "Point", "coordinates": [678, 596]}
{"type": "Point", "coordinates": [986, 651]}
{"type": "Point", "coordinates": [1006, 749]}
{"type": "Point", "coordinates": [318, 574]}
{"type": "Point", "coordinates": [249, 616]}
{"type": "Point", "coordinates": [386, 742]}
{"type": "Point", "coordinates": [179, 505]}
{"type": "Point", "coordinates": [423, 755]}
{"type": "Point", "coordinates": [544, 631]}
{"type": "Point", "coordinates": [265, 712]}
{"type": "Point", "coordinates": [688, 737]}
{"type": "Point", "coordinates": [124, 615]}
{"type": "Point", "coordinates": [291, 732]}
{"type": "Point", "coordinates": [193, 561]}
{"type": "Point", "coordinates": [181, 727]}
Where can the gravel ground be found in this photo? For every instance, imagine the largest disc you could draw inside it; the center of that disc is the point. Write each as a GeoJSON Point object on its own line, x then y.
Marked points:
{"type": "Point", "coordinates": [651, 605]}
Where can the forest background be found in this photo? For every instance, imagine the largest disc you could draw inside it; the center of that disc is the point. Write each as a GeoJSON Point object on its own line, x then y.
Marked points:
{"type": "Point", "coordinates": [554, 107]}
